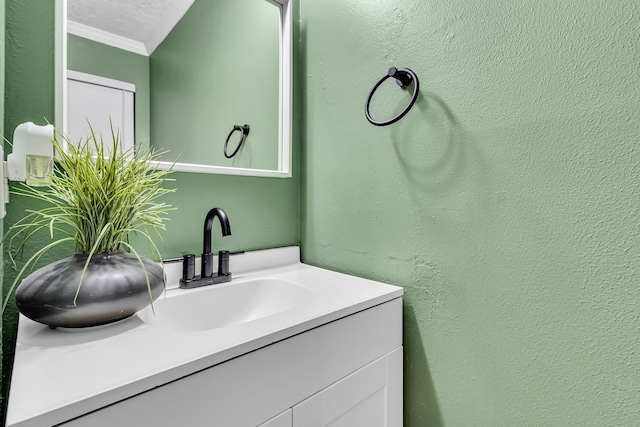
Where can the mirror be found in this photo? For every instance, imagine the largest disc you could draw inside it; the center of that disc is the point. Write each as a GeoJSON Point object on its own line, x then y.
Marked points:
{"type": "Point", "coordinates": [202, 68]}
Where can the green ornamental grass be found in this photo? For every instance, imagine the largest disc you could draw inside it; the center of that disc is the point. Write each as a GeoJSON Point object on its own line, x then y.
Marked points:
{"type": "Point", "coordinates": [99, 198]}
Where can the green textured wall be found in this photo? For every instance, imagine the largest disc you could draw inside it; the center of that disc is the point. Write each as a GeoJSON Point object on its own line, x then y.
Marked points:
{"type": "Point", "coordinates": [99, 59]}
{"type": "Point", "coordinates": [2, 68]}
{"type": "Point", "coordinates": [29, 88]}
{"type": "Point", "coordinates": [263, 212]}
{"type": "Point", "coordinates": [505, 203]}
{"type": "Point", "coordinates": [218, 68]}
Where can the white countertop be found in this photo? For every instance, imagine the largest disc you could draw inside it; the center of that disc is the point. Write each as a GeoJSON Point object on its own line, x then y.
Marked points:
{"type": "Point", "coordinates": [61, 374]}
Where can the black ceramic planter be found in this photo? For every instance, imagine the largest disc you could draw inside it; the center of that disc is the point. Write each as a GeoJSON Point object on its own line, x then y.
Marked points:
{"type": "Point", "coordinates": [113, 288]}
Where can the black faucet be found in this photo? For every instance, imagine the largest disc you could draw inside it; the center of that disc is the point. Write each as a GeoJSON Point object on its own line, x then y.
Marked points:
{"type": "Point", "coordinates": [207, 256]}
{"type": "Point", "coordinates": [206, 273]}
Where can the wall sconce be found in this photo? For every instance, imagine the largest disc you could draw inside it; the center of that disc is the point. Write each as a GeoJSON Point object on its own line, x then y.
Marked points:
{"type": "Point", "coordinates": [30, 161]}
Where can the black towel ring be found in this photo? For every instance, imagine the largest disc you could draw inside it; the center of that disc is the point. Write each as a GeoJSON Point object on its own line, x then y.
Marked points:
{"type": "Point", "coordinates": [245, 131]}
{"type": "Point", "coordinates": [403, 78]}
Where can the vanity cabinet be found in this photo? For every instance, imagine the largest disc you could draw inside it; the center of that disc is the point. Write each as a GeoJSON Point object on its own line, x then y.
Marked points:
{"type": "Point", "coordinates": [370, 397]}
{"type": "Point", "coordinates": [346, 373]}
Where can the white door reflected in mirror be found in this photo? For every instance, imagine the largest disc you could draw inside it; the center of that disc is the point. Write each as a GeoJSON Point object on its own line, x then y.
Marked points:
{"type": "Point", "coordinates": [99, 104]}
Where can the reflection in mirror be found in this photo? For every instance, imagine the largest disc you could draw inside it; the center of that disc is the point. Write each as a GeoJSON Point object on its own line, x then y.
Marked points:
{"type": "Point", "coordinates": [203, 86]}
{"type": "Point", "coordinates": [193, 70]}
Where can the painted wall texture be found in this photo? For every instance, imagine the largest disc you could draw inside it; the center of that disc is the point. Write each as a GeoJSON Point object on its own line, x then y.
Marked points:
{"type": "Point", "coordinates": [219, 67]}
{"type": "Point", "coordinates": [29, 87]}
{"type": "Point", "coordinates": [2, 68]}
{"type": "Point", "coordinates": [95, 58]}
{"type": "Point", "coordinates": [505, 203]}
{"type": "Point", "coordinates": [264, 212]}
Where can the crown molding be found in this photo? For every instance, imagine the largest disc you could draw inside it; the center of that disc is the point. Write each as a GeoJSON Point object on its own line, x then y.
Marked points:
{"type": "Point", "coordinates": [107, 38]}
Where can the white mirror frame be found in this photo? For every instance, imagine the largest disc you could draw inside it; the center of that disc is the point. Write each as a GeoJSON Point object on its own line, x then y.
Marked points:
{"type": "Point", "coordinates": [284, 101]}
{"type": "Point", "coordinates": [60, 65]}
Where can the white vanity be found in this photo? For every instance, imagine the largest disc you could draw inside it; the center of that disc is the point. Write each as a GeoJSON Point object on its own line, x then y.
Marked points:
{"type": "Point", "coordinates": [282, 344]}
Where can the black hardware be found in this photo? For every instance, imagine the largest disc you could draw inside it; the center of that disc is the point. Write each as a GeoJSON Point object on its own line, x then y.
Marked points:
{"type": "Point", "coordinates": [244, 132]}
{"type": "Point", "coordinates": [188, 267]}
{"type": "Point", "coordinates": [403, 77]}
{"type": "Point", "coordinates": [223, 262]}
{"type": "Point", "coordinates": [204, 281]}
{"type": "Point", "coordinates": [189, 280]}
{"type": "Point", "coordinates": [207, 256]}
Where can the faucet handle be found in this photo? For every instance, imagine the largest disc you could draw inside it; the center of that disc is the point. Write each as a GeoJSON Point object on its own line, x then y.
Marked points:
{"type": "Point", "coordinates": [188, 267]}
{"type": "Point", "coordinates": [223, 261]}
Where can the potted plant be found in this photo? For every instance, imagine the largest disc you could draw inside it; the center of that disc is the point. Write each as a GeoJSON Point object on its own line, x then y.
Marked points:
{"type": "Point", "coordinates": [100, 196]}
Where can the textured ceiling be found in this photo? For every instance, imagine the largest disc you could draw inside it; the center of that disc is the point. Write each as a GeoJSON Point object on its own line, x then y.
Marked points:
{"type": "Point", "coordinates": [135, 20]}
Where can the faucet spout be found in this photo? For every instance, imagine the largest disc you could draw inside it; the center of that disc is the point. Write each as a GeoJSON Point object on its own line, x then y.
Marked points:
{"type": "Point", "coordinates": [207, 256]}
{"type": "Point", "coordinates": [208, 225]}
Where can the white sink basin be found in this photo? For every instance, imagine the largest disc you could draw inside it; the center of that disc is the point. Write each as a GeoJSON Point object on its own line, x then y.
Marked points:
{"type": "Point", "coordinates": [218, 306]}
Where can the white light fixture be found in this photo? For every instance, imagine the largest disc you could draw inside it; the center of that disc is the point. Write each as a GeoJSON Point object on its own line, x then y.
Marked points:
{"type": "Point", "coordinates": [31, 159]}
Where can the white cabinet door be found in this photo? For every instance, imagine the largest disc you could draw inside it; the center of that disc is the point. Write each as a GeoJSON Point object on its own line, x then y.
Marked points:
{"type": "Point", "coordinates": [282, 420]}
{"type": "Point", "coordinates": [370, 397]}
